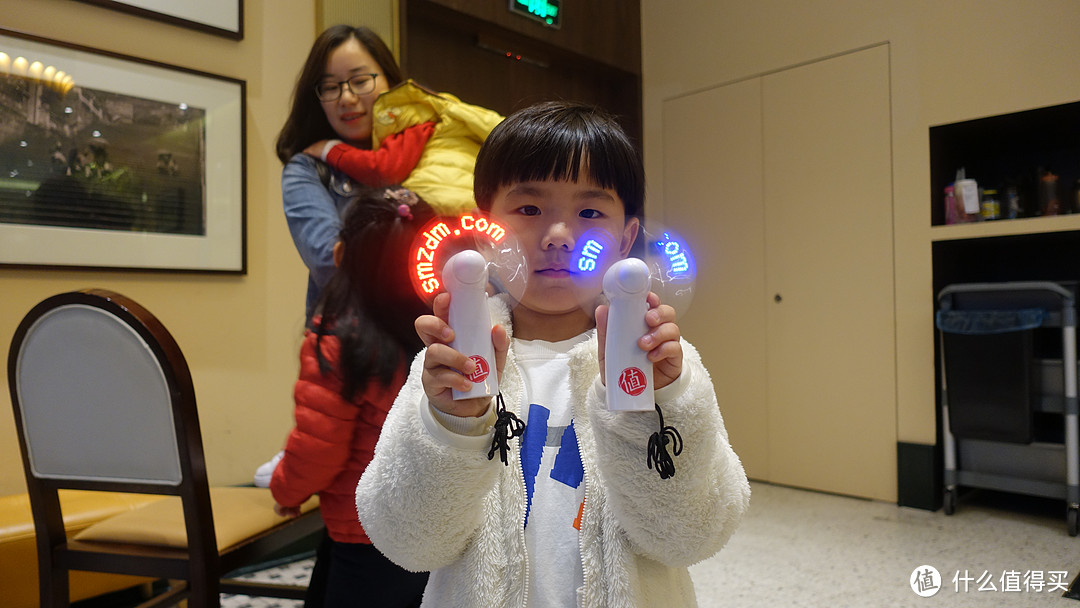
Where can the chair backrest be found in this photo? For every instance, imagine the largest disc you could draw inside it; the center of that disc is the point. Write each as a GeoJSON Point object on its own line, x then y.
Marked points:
{"type": "Point", "coordinates": [103, 397]}
{"type": "Point", "coordinates": [103, 400]}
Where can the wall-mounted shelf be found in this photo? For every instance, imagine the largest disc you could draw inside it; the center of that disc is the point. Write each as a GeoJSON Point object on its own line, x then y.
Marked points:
{"type": "Point", "coordinates": [1027, 225]}
{"type": "Point", "coordinates": [1008, 150]}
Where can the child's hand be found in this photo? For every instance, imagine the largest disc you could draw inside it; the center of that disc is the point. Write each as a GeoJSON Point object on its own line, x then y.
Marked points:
{"type": "Point", "coordinates": [445, 368]}
{"type": "Point", "coordinates": [316, 149]}
{"type": "Point", "coordinates": [662, 341]}
{"type": "Point", "coordinates": [289, 512]}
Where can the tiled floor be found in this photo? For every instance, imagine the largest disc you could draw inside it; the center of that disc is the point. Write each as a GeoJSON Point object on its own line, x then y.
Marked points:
{"type": "Point", "coordinates": [296, 573]}
{"type": "Point", "coordinates": [808, 549]}
{"type": "Point", "coordinates": [799, 548]}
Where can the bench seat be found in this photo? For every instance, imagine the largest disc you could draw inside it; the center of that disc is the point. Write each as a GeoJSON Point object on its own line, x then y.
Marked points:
{"type": "Point", "coordinates": [19, 576]}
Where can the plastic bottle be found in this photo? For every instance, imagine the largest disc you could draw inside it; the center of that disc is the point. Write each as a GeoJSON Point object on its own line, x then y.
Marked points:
{"type": "Point", "coordinates": [952, 212]}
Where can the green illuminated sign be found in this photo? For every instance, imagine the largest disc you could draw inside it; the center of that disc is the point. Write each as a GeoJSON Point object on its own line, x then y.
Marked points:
{"type": "Point", "coordinates": [545, 11]}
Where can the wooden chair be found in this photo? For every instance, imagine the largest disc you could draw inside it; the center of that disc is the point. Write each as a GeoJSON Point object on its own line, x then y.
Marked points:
{"type": "Point", "coordinates": [103, 400]}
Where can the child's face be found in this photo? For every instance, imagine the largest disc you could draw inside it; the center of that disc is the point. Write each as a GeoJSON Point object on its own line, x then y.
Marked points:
{"type": "Point", "coordinates": [549, 217]}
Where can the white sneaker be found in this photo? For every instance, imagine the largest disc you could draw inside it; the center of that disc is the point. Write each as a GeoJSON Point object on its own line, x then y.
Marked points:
{"type": "Point", "coordinates": [266, 470]}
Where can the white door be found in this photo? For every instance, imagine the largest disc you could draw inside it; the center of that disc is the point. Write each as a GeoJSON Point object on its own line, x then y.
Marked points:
{"type": "Point", "coordinates": [713, 196]}
{"type": "Point", "coordinates": [795, 305]}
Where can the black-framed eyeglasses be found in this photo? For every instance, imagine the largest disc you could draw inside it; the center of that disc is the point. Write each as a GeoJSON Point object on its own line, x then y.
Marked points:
{"type": "Point", "coordinates": [360, 84]}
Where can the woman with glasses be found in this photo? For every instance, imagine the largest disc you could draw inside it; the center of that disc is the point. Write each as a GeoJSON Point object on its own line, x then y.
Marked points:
{"type": "Point", "coordinates": [346, 70]}
{"type": "Point", "coordinates": [350, 98]}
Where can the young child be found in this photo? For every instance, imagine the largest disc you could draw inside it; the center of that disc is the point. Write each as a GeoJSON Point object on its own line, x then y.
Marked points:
{"type": "Point", "coordinates": [424, 140]}
{"type": "Point", "coordinates": [352, 364]}
{"type": "Point", "coordinates": [577, 518]}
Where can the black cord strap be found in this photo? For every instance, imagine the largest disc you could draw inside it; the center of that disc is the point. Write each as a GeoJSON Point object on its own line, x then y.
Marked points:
{"type": "Point", "coordinates": [507, 426]}
{"type": "Point", "coordinates": [658, 442]}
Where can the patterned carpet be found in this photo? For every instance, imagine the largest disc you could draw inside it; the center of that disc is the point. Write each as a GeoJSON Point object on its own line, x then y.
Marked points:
{"type": "Point", "coordinates": [294, 573]}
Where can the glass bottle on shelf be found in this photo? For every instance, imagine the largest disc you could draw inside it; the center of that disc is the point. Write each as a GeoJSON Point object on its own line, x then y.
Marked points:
{"type": "Point", "coordinates": [1049, 201]}
{"type": "Point", "coordinates": [989, 204]}
{"type": "Point", "coordinates": [1013, 208]}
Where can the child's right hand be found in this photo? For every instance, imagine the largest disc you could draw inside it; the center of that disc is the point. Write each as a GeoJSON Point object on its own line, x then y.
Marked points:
{"type": "Point", "coordinates": [315, 150]}
{"type": "Point", "coordinates": [445, 368]}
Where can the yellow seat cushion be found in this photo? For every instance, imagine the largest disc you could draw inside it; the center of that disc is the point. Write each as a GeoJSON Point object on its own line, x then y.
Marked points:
{"type": "Point", "coordinates": [239, 513]}
{"type": "Point", "coordinates": [18, 551]}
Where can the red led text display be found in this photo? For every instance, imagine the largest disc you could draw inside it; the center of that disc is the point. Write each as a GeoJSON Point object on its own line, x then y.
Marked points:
{"type": "Point", "coordinates": [443, 237]}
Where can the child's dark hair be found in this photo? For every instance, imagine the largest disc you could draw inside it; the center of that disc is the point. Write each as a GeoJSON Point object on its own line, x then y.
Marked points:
{"type": "Point", "coordinates": [555, 140]}
{"type": "Point", "coordinates": [369, 303]}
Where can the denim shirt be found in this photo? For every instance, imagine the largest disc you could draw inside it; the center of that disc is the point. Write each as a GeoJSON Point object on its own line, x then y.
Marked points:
{"type": "Point", "coordinates": [313, 211]}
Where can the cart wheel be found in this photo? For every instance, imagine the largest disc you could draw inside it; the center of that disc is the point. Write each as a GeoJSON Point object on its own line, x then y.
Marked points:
{"type": "Point", "coordinates": [1070, 519]}
{"type": "Point", "coordinates": [950, 501]}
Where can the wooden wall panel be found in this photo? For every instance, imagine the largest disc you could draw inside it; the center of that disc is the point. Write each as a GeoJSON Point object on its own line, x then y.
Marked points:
{"type": "Point", "coordinates": [461, 53]}
{"type": "Point", "coordinates": [608, 31]}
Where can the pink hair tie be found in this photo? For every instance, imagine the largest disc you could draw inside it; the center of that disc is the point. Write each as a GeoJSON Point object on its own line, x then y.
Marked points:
{"type": "Point", "coordinates": [405, 198]}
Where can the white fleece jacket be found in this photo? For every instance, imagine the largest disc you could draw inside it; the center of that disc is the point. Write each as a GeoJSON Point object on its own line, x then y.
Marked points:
{"type": "Point", "coordinates": [431, 499]}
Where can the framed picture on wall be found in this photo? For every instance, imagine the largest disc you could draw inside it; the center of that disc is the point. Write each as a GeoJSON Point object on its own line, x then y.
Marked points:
{"type": "Point", "coordinates": [110, 161]}
{"type": "Point", "coordinates": [220, 17]}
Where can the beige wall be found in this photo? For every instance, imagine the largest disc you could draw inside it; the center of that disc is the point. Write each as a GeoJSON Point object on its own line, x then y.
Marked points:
{"type": "Point", "coordinates": [951, 60]}
{"type": "Point", "coordinates": [380, 15]}
{"type": "Point", "coordinates": [240, 334]}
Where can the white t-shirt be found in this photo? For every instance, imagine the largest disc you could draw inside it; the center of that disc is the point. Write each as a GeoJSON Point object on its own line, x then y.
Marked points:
{"type": "Point", "coordinates": [554, 476]}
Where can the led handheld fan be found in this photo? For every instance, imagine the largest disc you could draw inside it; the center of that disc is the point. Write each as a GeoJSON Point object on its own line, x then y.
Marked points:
{"type": "Point", "coordinates": [469, 256]}
{"type": "Point", "coordinates": [626, 367]}
{"type": "Point", "coordinates": [465, 276]}
{"type": "Point", "coordinates": [672, 268]}
{"type": "Point", "coordinates": [442, 237]}
{"type": "Point", "coordinates": [669, 270]}
{"type": "Point", "coordinates": [671, 265]}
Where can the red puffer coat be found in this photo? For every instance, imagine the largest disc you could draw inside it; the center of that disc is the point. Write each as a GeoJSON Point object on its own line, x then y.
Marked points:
{"type": "Point", "coordinates": [333, 441]}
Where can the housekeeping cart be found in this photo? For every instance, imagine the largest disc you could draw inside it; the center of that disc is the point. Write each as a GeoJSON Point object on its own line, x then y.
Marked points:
{"type": "Point", "coordinates": [1009, 390]}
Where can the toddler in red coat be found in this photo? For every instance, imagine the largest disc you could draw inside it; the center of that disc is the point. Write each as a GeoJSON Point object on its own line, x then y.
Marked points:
{"type": "Point", "coordinates": [352, 364]}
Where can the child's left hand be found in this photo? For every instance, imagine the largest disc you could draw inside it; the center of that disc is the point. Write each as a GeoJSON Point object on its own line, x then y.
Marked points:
{"type": "Point", "coordinates": [315, 150]}
{"type": "Point", "coordinates": [662, 341]}
{"type": "Point", "coordinates": [284, 511]}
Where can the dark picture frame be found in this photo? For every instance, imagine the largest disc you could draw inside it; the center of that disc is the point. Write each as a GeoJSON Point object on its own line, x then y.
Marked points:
{"type": "Point", "coordinates": [219, 17]}
{"type": "Point", "coordinates": [135, 165]}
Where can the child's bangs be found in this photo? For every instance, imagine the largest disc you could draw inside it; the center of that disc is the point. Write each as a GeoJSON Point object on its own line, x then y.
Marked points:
{"type": "Point", "coordinates": [563, 155]}
{"type": "Point", "coordinates": [562, 142]}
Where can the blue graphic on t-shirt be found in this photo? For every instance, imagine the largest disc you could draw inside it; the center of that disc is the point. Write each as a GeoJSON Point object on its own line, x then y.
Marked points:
{"type": "Point", "coordinates": [567, 467]}
{"type": "Point", "coordinates": [532, 450]}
